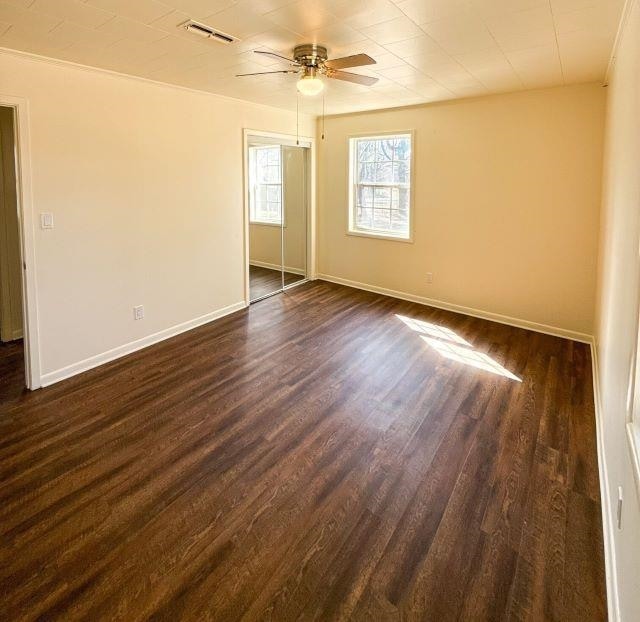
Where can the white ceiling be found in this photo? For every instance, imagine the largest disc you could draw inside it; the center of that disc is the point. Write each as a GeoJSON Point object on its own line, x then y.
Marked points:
{"type": "Point", "coordinates": [426, 50]}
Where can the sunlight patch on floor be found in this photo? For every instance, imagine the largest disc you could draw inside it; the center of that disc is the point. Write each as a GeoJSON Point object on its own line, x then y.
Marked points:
{"type": "Point", "coordinates": [441, 332]}
{"type": "Point", "coordinates": [450, 345]}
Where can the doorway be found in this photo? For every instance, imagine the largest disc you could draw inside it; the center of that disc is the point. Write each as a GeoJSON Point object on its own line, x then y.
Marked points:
{"type": "Point", "coordinates": [19, 344]}
{"type": "Point", "coordinates": [277, 191]}
{"type": "Point", "coordinates": [11, 296]}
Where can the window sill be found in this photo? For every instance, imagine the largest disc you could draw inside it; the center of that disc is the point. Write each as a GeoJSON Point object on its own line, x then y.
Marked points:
{"type": "Point", "coordinates": [267, 224]}
{"type": "Point", "coordinates": [380, 236]}
{"type": "Point", "coordinates": [633, 436]}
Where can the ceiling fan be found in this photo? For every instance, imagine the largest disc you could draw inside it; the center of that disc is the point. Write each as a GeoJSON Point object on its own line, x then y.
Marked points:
{"type": "Point", "coordinates": [312, 61]}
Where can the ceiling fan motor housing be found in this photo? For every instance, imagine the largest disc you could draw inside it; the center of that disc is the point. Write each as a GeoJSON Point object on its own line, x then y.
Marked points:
{"type": "Point", "coordinates": [310, 55]}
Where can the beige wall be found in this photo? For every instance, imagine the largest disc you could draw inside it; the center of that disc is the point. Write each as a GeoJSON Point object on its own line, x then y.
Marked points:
{"type": "Point", "coordinates": [295, 235]}
{"type": "Point", "coordinates": [265, 240]}
{"type": "Point", "coordinates": [145, 184]}
{"type": "Point", "coordinates": [618, 295]}
{"type": "Point", "coordinates": [10, 262]}
{"type": "Point", "coordinates": [265, 245]}
{"type": "Point", "coordinates": [507, 192]}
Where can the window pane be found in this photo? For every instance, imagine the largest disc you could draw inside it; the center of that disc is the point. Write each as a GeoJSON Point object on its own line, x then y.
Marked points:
{"type": "Point", "coordinates": [384, 172]}
{"type": "Point", "coordinates": [273, 156]}
{"type": "Point", "coordinates": [365, 196]}
{"type": "Point", "coordinates": [403, 149]}
{"type": "Point", "coordinates": [395, 198]}
{"type": "Point", "coordinates": [271, 174]}
{"type": "Point", "coordinates": [401, 172]}
{"type": "Point", "coordinates": [382, 219]}
{"type": "Point", "coordinates": [367, 173]}
{"type": "Point", "coordinates": [384, 150]}
{"type": "Point", "coordinates": [366, 150]}
{"type": "Point", "coordinates": [364, 218]}
{"type": "Point", "coordinates": [273, 194]}
{"type": "Point", "coordinates": [261, 157]}
{"type": "Point", "coordinates": [403, 198]}
{"type": "Point", "coordinates": [399, 220]}
{"type": "Point", "coordinates": [382, 197]}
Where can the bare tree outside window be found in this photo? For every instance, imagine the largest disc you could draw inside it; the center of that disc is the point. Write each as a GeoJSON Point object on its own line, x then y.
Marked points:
{"type": "Point", "coordinates": [381, 178]}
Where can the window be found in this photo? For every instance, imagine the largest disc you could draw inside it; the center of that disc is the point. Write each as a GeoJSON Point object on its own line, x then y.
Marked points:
{"type": "Point", "coordinates": [380, 180]}
{"type": "Point", "coordinates": [265, 185]}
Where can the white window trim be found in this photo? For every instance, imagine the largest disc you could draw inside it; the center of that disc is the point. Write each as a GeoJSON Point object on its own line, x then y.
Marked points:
{"type": "Point", "coordinates": [633, 437]}
{"type": "Point", "coordinates": [351, 230]}
{"type": "Point", "coordinates": [252, 194]}
{"type": "Point", "coordinates": [633, 405]}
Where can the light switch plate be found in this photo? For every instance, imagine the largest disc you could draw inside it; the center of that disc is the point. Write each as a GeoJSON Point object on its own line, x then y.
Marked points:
{"type": "Point", "coordinates": [46, 220]}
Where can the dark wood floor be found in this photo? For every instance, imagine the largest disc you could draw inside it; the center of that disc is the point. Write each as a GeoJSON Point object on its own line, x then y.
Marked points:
{"type": "Point", "coordinates": [315, 457]}
{"type": "Point", "coordinates": [263, 281]}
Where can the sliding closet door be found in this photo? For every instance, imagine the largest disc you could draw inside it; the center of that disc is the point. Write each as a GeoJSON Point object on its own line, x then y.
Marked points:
{"type": "Point", "coordinates": [266, 220]}
{"type": "Point", "coordinates": [295, 214]}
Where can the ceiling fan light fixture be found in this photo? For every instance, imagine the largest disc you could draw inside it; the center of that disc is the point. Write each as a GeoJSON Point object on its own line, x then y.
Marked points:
{"type": "Point", "coordinates": [309, 84]}
{"type": "Point", "coordinates": [311, 61]}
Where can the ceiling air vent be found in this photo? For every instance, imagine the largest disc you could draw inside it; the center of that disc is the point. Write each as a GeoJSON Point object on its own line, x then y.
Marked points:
{"type": "Point", "coordinates": [206, 32]}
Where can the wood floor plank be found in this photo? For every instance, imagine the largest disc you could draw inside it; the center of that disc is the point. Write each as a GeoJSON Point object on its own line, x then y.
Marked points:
{"type": "Point", "coordinates": [326, 454]}
{"type": "Point", "coordinates": [265, 281]}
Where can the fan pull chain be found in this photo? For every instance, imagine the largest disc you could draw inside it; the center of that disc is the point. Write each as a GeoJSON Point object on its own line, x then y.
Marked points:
{"type": "Point", "coordinates": [297, 118]}
{"type": "Point", "coordinates": [322, 116]}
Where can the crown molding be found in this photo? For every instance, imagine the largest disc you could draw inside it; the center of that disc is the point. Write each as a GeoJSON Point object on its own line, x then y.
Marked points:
{"type": "Point", "coordinates": [67, 64]}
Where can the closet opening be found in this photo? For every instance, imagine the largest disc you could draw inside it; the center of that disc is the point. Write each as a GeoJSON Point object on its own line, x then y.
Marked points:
{"type": "Point", "coordinates": [277, 190]}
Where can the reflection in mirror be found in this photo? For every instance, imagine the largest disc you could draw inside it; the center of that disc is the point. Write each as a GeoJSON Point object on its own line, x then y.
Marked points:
{"type": "Point", "coordinates": [277, 180]}
{"type": "Point", "coordinates": [295, 225]}
{"type": "Point", "coordinates": [265, 220]}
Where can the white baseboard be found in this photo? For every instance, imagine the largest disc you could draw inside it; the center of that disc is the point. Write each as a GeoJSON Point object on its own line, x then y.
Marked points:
{"type": "Point", "coordinates": [447, 306]}
{"type": "Point", "coordinates": [16, 333]}
{"type": "Point", "coordinates": [275, 266]}
{"type": "Point", "coordinates": [608, 523]}
{"type": "Point", "coordinates": [134, 346]}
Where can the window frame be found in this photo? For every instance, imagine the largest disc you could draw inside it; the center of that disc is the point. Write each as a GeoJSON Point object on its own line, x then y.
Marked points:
{"type": "Point", "coordinates": [633, 403]}
{"type": "Point", "coordinates": [252, 190]}
{"type": "Point", "coordinates": [352, 187]}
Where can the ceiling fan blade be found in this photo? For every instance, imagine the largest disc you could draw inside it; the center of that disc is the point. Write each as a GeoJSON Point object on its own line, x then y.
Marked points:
{"type": "Point", "coordinates": [264, 73]}
{"type": "Point", "coordinates": [352, 77]}
{"type": "Point", "coordinates": [289, 60]}
{"type": "Point", "coordinates": [357, 60]}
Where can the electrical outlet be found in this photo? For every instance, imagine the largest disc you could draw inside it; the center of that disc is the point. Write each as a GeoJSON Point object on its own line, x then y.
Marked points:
{"type": "Point", "coordinates": [619, 511]}
{"type": "Point", "coordinates": [429, 277]}
{"type": "Point", "coordinates": [138, 312]}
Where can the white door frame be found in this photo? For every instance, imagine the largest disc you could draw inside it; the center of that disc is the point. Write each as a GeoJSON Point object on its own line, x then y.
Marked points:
{"type": "Point", "coordinates": [26, 223]}
{"type": "Point", "coordinates": [284, 139]}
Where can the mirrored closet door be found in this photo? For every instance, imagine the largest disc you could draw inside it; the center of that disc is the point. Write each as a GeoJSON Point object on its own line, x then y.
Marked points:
{"type": "Point", "coordinates": [266, 198]}
{"type": "Point", "coordinates": [294, 232]}
{"type": "Point", "coordinates": [277, 194]}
